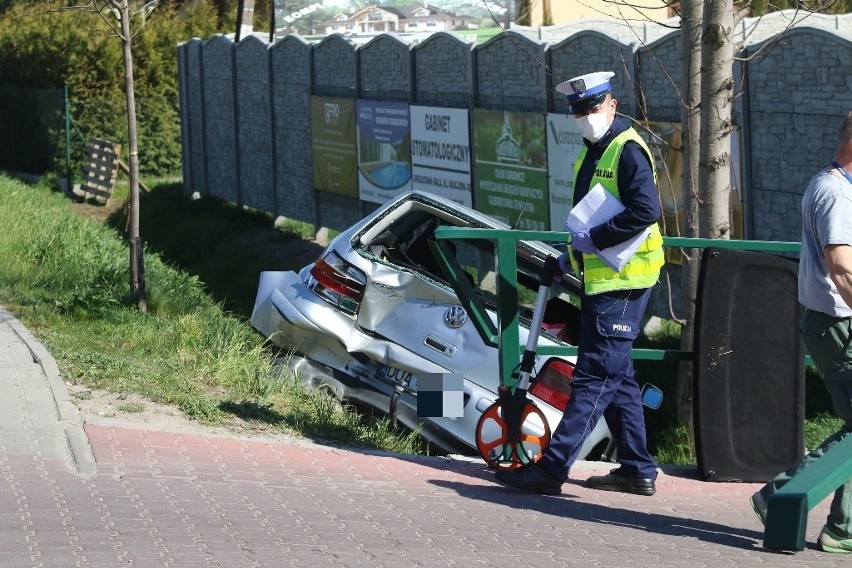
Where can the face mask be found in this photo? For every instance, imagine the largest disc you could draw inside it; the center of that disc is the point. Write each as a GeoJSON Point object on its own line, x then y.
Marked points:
{"type": "Point", "coordinates": [593, 126]}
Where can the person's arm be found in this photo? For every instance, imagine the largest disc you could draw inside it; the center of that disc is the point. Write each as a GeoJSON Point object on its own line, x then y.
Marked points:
{"type": "Point", "coordinates": [638, 194]}
{"type": "Point", "coordinates": [838, 260]}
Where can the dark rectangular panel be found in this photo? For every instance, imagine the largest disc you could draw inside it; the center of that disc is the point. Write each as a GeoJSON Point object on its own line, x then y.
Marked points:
{"type": "Point", "coordinates": [749, 373]}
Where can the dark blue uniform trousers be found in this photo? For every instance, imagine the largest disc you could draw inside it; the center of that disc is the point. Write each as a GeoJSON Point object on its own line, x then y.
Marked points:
{"type": "Point", "coordinates": [605, 384]}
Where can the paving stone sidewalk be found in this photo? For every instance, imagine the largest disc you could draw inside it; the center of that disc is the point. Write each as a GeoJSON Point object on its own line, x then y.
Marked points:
{"type": "Point", "coordinates": [88, 495]}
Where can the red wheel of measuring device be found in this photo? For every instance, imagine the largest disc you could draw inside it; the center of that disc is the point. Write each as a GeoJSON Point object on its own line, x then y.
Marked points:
{"type": "Point", "coordinates": [492, 437]}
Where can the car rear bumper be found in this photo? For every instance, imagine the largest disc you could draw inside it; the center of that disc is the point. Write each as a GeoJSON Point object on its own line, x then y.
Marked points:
{"type": "Point", "coordinates": [327, 348]}
{"type": "Point", "coordinates": [313, 375]}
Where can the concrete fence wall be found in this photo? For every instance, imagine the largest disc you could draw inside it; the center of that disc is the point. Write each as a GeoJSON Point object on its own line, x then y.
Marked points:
{"type": "Point", "coordinates": [793, 103]}
{"type": "Point", "coordinates": [245, 107]}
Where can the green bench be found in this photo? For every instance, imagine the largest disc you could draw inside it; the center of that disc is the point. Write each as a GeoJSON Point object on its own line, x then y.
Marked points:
{"type": "Point", "coordinates": [787, 510]}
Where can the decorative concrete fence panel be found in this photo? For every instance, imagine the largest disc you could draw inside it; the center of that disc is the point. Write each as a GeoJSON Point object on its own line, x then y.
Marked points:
{"type": "Point", "coordinates": [254, 135]}
{"type": "Point", "coordinates": [291, 76]}
{"type": "Point", "coordinates": [444, 71]}
{"type": "Point", "coordinates": [386, 70]}
{"type": "Point", "coordinates": [246, 146]}
{"type": "Point", "coordinates": [512, 73]}
{"type": "Point", "coordinates": [220, 148]}
{"type": "Point", "coordinates": [796, 99]}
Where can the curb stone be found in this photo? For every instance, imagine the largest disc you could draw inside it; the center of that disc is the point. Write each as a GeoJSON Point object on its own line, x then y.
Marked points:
{"type": "Point", "coordinates": [82, 457]}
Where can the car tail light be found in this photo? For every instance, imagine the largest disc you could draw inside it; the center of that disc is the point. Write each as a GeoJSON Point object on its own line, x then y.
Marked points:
{"type": "Point", "coordinates": [337, 282]}
{"type": "Point", "coordinates": [553, 384]}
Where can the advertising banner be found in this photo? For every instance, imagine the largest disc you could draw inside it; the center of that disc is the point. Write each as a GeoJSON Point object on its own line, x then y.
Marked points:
{"type": "Point", "coordinates": [563, 145]}
{"type": "Point", "coordinates": [384, 150]}
{"type": "Point", "coordinates": [333, 145]}
{"type": "Point", "coordinates": [440, 152]}
{"type": "Point", "coordinates": [511, 167]}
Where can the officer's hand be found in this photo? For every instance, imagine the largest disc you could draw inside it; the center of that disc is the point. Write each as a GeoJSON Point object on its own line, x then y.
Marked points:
{"type": "Point", "coordinates": [583, 242]}
{"type": "Point", "coordinates": [564, 262]}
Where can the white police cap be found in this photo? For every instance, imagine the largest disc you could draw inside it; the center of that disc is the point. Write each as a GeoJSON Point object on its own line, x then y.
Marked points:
{"type": "Point", "coordinates": [586, 91]}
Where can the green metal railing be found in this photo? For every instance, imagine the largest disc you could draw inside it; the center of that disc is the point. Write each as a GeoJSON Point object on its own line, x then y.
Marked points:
{"type": "Point", "coordinates": [507, 334]}
{"type": "Point", "coordinates": [787, 509]}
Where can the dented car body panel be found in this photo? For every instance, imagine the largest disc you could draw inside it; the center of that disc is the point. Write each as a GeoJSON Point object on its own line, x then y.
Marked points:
{"type": "Point", "coordinates": [375, 311]}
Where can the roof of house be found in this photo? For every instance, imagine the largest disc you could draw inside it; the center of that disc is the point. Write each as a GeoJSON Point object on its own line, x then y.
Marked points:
{"type": "Point", "coordinates": [406, 12]}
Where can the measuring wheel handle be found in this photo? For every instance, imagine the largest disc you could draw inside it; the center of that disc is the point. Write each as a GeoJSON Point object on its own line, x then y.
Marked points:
{"type": "Point", "coordinates": [503, 446]}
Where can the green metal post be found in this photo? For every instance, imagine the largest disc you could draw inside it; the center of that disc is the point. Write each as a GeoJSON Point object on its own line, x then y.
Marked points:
{"type": "Point", "coordinates": [507, 310]}
{"type": "Point", "coordinates": [761, 246]}
{"type": "Point", "coordinates": [69, 187]}
{"type": "Point", "coordinates": [787, 510]}
{"type": "Point", "coordinates": [464, 290]}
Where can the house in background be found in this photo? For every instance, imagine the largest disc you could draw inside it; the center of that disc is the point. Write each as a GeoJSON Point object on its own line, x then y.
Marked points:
{"type": "Point", "coordinates": [563, 11]}
{"type": "Point", "coordinates": [412, 19]}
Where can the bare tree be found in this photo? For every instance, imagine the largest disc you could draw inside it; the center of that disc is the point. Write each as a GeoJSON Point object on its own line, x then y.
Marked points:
{"type": "Point", "coordinates": [523, 12]}
{"type": "Point", "coordinates": [690, 30]}
{"type": "Point", "coordinates": [546, 13]}
{"type": "Point", "coordinates": [117, 14]}
{"type": "Point", "coordinates": [706, 93]}
{"type": "Point", "coordinates": [245, 19]}
{"type": "Point", "coordinates": [137, 264]}
{"type": "Point", "coordinates": [717, 89]}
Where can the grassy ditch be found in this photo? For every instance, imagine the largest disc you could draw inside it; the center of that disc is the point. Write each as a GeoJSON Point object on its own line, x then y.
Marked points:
{"type": "Point", "coordinates": [66, 277]}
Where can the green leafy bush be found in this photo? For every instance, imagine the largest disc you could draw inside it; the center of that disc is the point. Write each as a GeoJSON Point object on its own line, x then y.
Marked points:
{"type": "Point", "coordinates": [43, 48]}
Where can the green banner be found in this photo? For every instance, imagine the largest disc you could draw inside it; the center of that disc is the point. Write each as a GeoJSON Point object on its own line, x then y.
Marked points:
{"type": "Point", "coordinates": [511, 168]}
{"type": "Point", "coordinates": [517, 196]}
{"type": "Point", "coordinates": [333, 145]}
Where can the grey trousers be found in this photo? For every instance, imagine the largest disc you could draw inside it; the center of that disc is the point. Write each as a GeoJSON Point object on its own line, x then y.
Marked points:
{"type": "Point", "coordinates": [829, 341]}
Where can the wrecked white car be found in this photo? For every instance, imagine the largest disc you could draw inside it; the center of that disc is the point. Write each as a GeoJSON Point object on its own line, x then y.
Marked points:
{"type": "Point", "coordinates": [376, 311]}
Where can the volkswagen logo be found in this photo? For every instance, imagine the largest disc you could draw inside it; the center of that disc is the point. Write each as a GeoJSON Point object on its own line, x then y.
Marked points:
{"type": "Point", "coordinates": [455, 317]}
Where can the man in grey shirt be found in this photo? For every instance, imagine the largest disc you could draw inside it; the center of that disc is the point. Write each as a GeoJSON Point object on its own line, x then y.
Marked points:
{"type": "Point", "coordinates": [825, 292]}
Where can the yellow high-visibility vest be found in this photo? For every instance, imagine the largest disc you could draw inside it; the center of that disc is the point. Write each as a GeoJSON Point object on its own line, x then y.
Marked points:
{"type": "Point", "coordinates": [643, 268]}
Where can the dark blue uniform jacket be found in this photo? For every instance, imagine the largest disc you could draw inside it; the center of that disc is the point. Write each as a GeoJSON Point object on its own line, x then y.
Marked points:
{"type": "Point", "coordinates": [636, 188]}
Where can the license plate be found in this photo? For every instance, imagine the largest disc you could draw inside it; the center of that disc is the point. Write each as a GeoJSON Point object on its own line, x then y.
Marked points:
{"type": "Point", "coordinates": [394, 375]}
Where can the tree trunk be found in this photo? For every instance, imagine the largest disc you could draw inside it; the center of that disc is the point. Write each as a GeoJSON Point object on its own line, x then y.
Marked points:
{"type": "Point", "coordinates": [523, 12]}
{"type": "Point", "coordinates": [245, 19]}
{"type": "Point", "coordinates": [137, 273]}
{"type": "Point", "coordinates": [717, 85]}
{"type": "Point", "coordinates": [690, 29]}
{"type": "Point", "coordinates": [546, 13]}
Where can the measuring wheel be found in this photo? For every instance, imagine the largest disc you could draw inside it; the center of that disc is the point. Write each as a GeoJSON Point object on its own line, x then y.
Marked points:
{"type": "Point", "coordinates": [495, 442]}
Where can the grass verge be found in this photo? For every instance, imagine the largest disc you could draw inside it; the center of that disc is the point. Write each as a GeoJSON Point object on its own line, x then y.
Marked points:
{"type": "Point", "coordinates": [66, 277]}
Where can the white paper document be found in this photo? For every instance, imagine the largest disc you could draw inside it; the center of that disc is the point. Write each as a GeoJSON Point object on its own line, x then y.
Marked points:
{"type": "Point", "coordinates": [596, 208]}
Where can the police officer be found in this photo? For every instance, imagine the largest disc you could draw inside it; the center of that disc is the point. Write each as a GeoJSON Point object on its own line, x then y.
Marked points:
{"type": "Point", "coordinates": [612, 303]}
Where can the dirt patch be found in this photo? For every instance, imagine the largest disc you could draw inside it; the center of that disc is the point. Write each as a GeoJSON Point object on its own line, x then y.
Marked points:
{"type": "Point", "coordinates": [105, 408]}
{"type": "Point", "coordinates": [99, 211]}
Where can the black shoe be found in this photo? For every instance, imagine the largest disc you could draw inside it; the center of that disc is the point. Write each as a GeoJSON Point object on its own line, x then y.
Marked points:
{"type": "Point", "coordinates": [614, 481]}
{"type": "Point", "coordinates": [530, 478]}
